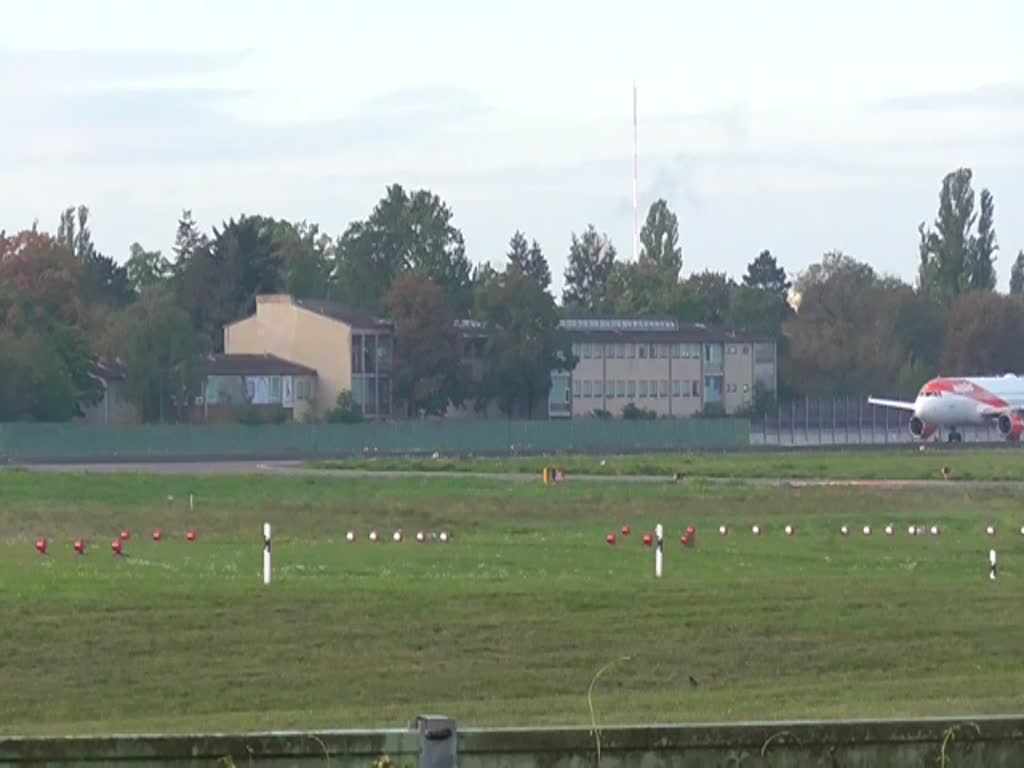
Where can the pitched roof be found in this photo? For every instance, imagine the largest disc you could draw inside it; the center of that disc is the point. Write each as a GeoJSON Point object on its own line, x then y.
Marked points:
{"type": "Point", "coordinates": [347, 315]}
{"type": "Point", "coordinates": [254, 365]}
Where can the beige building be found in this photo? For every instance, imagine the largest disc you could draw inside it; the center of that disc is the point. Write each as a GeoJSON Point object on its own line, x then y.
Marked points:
{"type": "Point", "coordinates": [347, 350]}
{"type": "Point", "coordinates": [660, 366]}
{"type": "Point", "coordinates": [264, 385]}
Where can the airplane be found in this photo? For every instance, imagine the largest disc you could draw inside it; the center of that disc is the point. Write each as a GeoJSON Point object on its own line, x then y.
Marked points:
{"type": "Point", "coordinates": [962, 401]}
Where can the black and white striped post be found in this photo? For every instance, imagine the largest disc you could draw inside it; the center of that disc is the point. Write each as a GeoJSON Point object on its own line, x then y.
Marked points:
{"type": "Point", "coordinates": [266, 553]}
{"type": "Point", "coordinates": [992, 564]}
{"type": "Point", "coordinates": [659, 552]}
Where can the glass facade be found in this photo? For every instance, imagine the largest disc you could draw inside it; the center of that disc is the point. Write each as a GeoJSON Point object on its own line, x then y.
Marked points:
{"type": "Point", "coordinates": [372, 357]}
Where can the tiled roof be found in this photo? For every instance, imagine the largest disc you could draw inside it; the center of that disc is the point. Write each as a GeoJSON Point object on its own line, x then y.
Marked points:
{"type": "Point", "coordinates": [347, 315]}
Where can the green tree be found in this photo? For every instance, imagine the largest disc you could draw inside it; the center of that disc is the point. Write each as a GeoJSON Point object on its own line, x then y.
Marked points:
{"type": "Point", "coordinates": [952, 259]}
{"type": "Point", "coordinates": [428, 375]}
{"type": "Point", "coordinates": [984, 334]}
{"type": "Point", "coordinates": [405, 232]}
{"type": "Point", "coordinates": [981, 264]}
{"type": "Point", "coordinates": [642, 289]}
{"type": "Point", "coordinates": [346, 410]}
{"type": "Point", "coordinates": [844, 339]}
{"type": "Point", "coordinates": [41, 294]}
{"type": "Point", "coordinates": [36, 384]}
{"type": "Point", "coordinates": [220, 281]}
{"type": "Point", "coordinates": [659, 240]}
{"type": "Point", "coordinates": [713, 291]}
{"type": "Point", "coordinates": [529, 259]}
{"type": "Point", "coordinates": [764, 273]}
{"type": "Point", "coordinates": [145, 268]}
{"type": "Point", "coordinates": [591, 262]}
{"type": "Point", "coordinates": [162, 354]}
{"type": "Point", "coordinates": [524, 342]}
{"type": "Point", "coordinates": [306, 257]}
{"type": "Point", "coordinates": [187, 241]}
{"type": "Point", "coordinates": [103, 280]}
{"type": "Point", "coordinates": [1017, 275]}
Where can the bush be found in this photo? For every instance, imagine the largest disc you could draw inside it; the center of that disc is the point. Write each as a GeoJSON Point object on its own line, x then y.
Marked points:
{"type": "Point", "coordinates": [632, 413]}
{"type": "Point", "coordinates": [346, 410]}
{"type": "Point", "coordinates": [255, 416]}
{"type": "Point", "coordinates": [601, 413]}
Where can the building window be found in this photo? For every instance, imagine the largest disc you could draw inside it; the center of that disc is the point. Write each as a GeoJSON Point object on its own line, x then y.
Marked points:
{"type": "Point", "coordinates": [620, 351]}
{"type": "Point", "coordinates": [695, 390]}
{"type": "Point", "coordinates": [576, 351]}
{"type": "Point", "coordinates": [676, 388]}
{"type": "Point", "coordinates": [746, 350]}
{"type": "Point", "coordinates": [764, 353]}
{"type": "Point", "coordinates": [731, 388]}
{"type": "Point", "coordinates": [620, 388]}
{"type": "Point", "coordinates": [631, 351]}
{"type": "Point", "coordinates": [357, 353]}
{"type": "Point", "coordinates": [664, 388]}
{"type": "Point", "coordinates": [587, 388]}
{"type": "Point", "coordinates": [631, 389]}
{"type": "Point", "coordinates": [275, 389]}
{"type": "Point", "coordinates": [686, 388]}
{"type": "Point", "coordinates": [599, 389]}
{"type": "Point", "coordinates": [609, 351]}
{"type": "Point", "coordinates": [663, 351]}
{"type": "Point", "coordinates": [642, 348]}
{"type": "Point", "coordinates": [652, 351]}
{"type": "Point", "coordinates": [746, 388]}
{"type": "Point", "coordinates": [643, 388]}
{"type": "Point", "coordinates": [653, 388]}
{"type": "Point", "coordinates": [732, 349]}
{"type": "Point", "coordinates": [576, 387]}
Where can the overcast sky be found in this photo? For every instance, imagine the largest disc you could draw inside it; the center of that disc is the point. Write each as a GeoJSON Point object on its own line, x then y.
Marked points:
{"type": "Point", "coordinates": [795, 125]}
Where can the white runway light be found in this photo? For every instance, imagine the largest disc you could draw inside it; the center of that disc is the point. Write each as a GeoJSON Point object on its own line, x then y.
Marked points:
{"type": "Point", "coordinates": [867, 530]}
{"type": "Point", "coordinates": [845, 531]}
{"type": "Point", "coordinates": [935, 530]}
{"type": "Point", "coordinates": [991, 530]}
{"type": "Point", "coordinates": [266, 553]}
{"type": "Point", "coordinates": [889, 530]}
{"type": "Point", "coordinates": [756, 530]}
{"type": "Point", "coordinates": [350, 536]}
{"type": "Point", "coordinates": [722, 530]}
{"type": "Point", "coordinates": [992, 564]}
{"type": "Point", "coordinates": [397, 537]}
{"type": "Point", "coordinates": [789, 530]}
{"type": "Point", "coordinates": [912, 531]}
{"type": "Point", "coordinates": [659, 550]}
{"type": "Point", "coordinates": [373, 536]}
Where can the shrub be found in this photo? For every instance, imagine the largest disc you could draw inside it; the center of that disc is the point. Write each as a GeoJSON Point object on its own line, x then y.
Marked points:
{"type": "Point", "coordinates": [346, 410]}
{"type": "Point", "coordinates": [633, 413]}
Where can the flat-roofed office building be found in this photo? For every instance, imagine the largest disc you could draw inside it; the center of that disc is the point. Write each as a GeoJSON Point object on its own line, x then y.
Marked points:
{"type": "Point", "coordinates": [660, 365]}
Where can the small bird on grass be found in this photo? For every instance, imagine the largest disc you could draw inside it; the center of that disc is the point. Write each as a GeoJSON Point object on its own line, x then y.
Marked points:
{"type": "Point", "coordinates": [694, 683]}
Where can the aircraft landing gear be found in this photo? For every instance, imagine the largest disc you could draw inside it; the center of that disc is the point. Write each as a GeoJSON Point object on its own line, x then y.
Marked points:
{"type": "Point", "coordinates": [955, 437]}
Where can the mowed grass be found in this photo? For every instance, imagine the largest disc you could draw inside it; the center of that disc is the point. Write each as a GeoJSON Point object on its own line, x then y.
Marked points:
{"type": "Point", "coordinates": [508, 623]}
{"type": "Point", "coordinates": [908, 463]}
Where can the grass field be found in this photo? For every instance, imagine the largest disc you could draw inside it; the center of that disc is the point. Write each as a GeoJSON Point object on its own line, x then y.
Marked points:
{"type": "Point", "coordinates": [508, 623]}
{"type": "Point", "coordinates": [906, 464]}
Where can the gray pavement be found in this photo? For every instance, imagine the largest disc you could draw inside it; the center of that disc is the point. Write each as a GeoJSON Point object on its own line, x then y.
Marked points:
{"type": "Point", "coordinates": [297, 469]}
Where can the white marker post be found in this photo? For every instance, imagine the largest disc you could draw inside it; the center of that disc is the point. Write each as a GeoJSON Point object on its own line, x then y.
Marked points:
{"type": "Point", "coordinates": [659, 551]}
{"type": "Point", "coordinates": [266, 553]}
{"type": "Point", "coordinates": [992, 564]}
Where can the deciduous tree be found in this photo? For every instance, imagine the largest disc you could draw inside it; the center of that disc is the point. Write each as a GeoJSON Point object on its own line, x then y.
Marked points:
{"type": "Point", "coordinates": [984, 335]}
{"type": "Point", "coordinates": [659, 240]}
{"type": "Point", "coordinates": [529, 259]}
{"type": "Point", "coordinates": [524, 342]}
{"type": "Point", "coordinates": [1017, 275]}
{"type": "Point", "coordinates": [591, 261]}
{"type": "Point", "coordinates": [428, 372]}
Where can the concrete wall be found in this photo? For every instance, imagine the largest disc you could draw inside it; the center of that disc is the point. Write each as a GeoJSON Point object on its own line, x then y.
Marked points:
{"type": "Point", "coordinates": [739, 377]}
{"type": "Point", "coordinates": [281, 328]}
{"type": "Point", "coordinates": [989, 742]}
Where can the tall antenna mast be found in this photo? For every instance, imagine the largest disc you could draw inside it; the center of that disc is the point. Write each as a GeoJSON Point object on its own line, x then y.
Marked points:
{"type": "Point", "coordinates": [636, 172]}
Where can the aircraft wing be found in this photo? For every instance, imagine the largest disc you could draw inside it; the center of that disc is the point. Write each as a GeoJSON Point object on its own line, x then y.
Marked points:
{"type": "Point", "coordinates": [903, 406]}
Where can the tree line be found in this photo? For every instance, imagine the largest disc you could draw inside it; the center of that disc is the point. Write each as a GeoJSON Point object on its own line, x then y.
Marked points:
{"type": "Point", "coordinates": [842, 327]}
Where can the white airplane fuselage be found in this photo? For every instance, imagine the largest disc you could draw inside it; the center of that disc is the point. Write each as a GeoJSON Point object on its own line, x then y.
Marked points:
{"type": "Point", "coordinates": [949, 403]}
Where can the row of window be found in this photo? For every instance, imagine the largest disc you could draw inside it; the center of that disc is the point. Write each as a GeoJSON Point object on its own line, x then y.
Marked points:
{"type": "Point", "coordinates": [712, 352]}
{"type": "Point", "coordinates": [644, 388]}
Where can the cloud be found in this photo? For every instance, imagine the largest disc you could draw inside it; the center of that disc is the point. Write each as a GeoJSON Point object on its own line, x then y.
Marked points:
{"type": "Point", "coordinates": [997, 96]}
{"type": "Point", "coordinates": [61, 68]}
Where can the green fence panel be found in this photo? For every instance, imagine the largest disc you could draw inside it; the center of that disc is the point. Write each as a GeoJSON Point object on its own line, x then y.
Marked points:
{"type": "Point", "coordinates": [67, 442]}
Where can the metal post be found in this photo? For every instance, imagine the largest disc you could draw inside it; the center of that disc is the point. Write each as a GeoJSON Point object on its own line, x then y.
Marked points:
{"type": "Point", "coordinates": [817, 413]}
{"type": "Point", "coordinates": [778, 424]}
{"type": "Point", "coordinates": [846, 418]}
{"type": "Point", "coordinates": [807, 416]}
{"type": "Point", "coordinates": [438, 741]}
{"type": "Point", "coordinates": [874, 413]}
{"type": "Point", "coordinates": [860, 421]}
{"type": "Point", "coordinates": [764, 426]}
{"type": "Point", "coordinates": [792, 422]}
{"type": "Point", "coordinates": [834, 427]}
{"type": "Point", "coordinates": [886, 426]}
